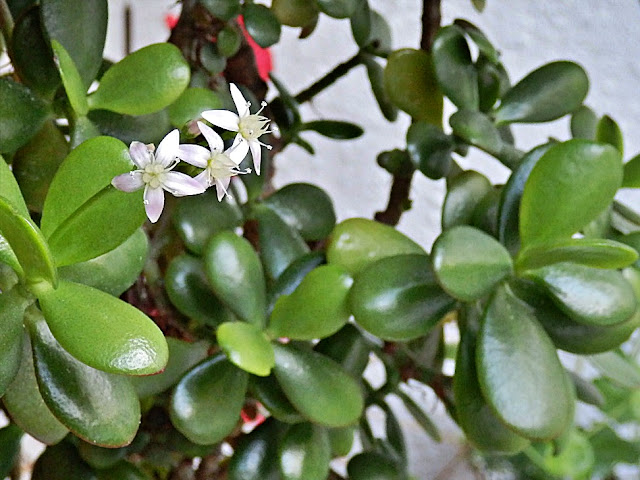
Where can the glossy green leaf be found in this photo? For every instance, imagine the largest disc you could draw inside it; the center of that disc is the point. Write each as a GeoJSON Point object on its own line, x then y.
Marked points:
{"type": "Point", "coordinates": [25, 406]}
{"type": "Point", "coordinates": [584, 123]}
{"type": "Point", "coordinates": [189, 291]}
{"type": "Point", "coordinates": [410, 81]}
{"type": "Point", "coordinates": [376, 79]}
{"type": "Point", "coordinates": [31, 54]}
{"type": "Point", "coordinates": [81, 28]}
{"type": "Point", "coordinates": [13, 303]}
{"type": "Point", "coordinates": [76, 91]}
{"type": "Point", "coordinates": [305, 453]}
{"type": "Point", "coordinates": [29, 246]}
{"type": "Point", "coordinates": [99, 407]}
{"type": "Point", "coordinates": [143, 82]}
{"type": "Point", "coordinates": [223, 9]}
{"type": "Point", "coordinates": [480, 424]}
{"type": "Point", "coordinates": [608, 131]}
{"type": "Point", "coordinates": [150, 128]}
{"type": "Point", "coordinates": [191, 104]}
{"type": "Point", "coordinates": [182, 357]}
{"type": "Point", "coordinates": [295, 13]}
{"type": "Point", "coordinates": [334, 129]}
{"type": "Point", "coordinates": [123, 471]}
{"type": "Point", "coordinates": [360, 23]}
{"type": "Point", "coordinates": [256, 455]}
{"type": "Point", "coordinates": [398, 298]}
{"type": "Point", "coordinates": [476, 129]}
{"type": "Point", "coordinates": [317, 386]}
{"type": "Point", "coordinates": [490, 83]}
{"type": "Point", "coordinates": [235, 275]}
{"type": "Point", "coordinates": [398, 162]}
{"type": "Point", "coordinates": [519, 372]}
{"type": "Point", "coordinates": [62, 462]}
{"type": "Point", "coordinates": [268, 392]}
{"type": "Point", "coordinates": [468, 263]}
{"type": "Point", "coordinates": [262, 24]}
{"type": "Point", "coordinates": [548, 93]}
{"type": "Point", "coordinates": [206, 403]}
{"type": "Point", "coordinates": [82, 129]}
{"type": "Point", "coordinates": [316, 309]}
{"type": "Point", "coordinates": [337, 8]}
{"type": "Point", "coordinates": [35, 164]}
{"type": "Point", "coordinates": [569, 186]}
{"type": "Point", "coordinates": [592, 252]}
{"type": "Point", "coordinates": [373, 465]}
{"type": "Point", "coordinates": [631, 177]}
{"type": "Point", "coordinates": [482, 42]}
{"type": "Point", "coordinates": [10, 437]}
{"type": "Point", "coordinates": [348, 347]}
{"type": "Point", "coordinates": [11, 190]}
{"type": "Point", "coordinates": [463, 196]}
{"type": "Point", "coordinates": [429, 149]}
{"type": "Point", "coordinates": [103, 331]}
{"type": "Point", "coordinates": [456, 74]}
{"type": "Point", "coordinates": [358, 242]}
{"type": "Point", "coordinates": [246, 347]}
{"type": "Point", "coordinates": [115, 271]}
{"type": "Point", "coordinates": [509, 208]}
{"type": "Point", "coordinates": [590, 296]}
{"type": "Point", "coordinates": [280, 244]}
{"type": "Point", "coordinates": [289, 280]}
{"type": "Point", "coordinates": [21, 115]}
{"type": "Point", "coordinates": [100, 457]}
{"type": "Point", "coordinates": [306, 208]}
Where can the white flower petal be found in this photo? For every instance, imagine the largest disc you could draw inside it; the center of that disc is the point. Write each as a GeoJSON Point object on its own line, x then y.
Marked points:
{"type": "Point", "coordinates": [140, 154]}
{"type": "Point", "coordinates": [153, 203]}
{"type": "Point", "coordinates": [256, 153]}
{"type": "Point", "coordinates": [213, 139]}
{"type": "Point", "coordinates": [241, 104]}
{"type": "Point", "coordinates": [168, 149]}
{"type": "Point", "coordinates": [128, 182]}
{"type": "Point", "coordinates": [222, 185]}
{"type": "Point", "coordinates": [194, 155]}
{"type": "Point", "coordinates": [222, 118]}
{"type": "Point", "coordinates": [203, 179]}
{"type": "Point", "coordinates": [179, 184]}
{"type": "Point", "coordinates": [238, 150]}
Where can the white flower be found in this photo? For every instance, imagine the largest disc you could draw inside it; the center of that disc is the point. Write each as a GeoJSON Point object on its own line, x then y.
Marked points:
{"type": "Point", "coordinates": [250, 127]}
{"type": "Point", "coordinates": [155, 175]}
{"type": "Point", "coordinates": [219, 166]}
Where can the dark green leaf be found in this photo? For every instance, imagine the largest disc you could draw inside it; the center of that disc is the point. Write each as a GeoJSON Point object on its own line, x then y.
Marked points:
{"type": "Point", "coordinates": [191, 104]}
{"type": "Point", "coordinates": [268, 392]}
{"type": "Point", "coordinates": [256, 455]}
{"type": "Point", "coordinates": [373, 466]}
{"type": "Point", "coordinates": [361, 23]}
{"type": "Point", "coordinates": [76, 91]}
{"type": "Point", "coordinates": [62, 462]}
{"type": "Point", "coordinates": [349, 347]}
{"type": "Point", "coordinates": [223, 9]}
{"type": "Point", "coordinates": [476, 129]}
{"type": "Point", "coordinates": [429, 149]}
{"type": "Point", "coordinates": [13, 303]}
{"type": "Point", "coordinates": [10, 437]}
{"type": "Point", "coordinates": [10, 189]}
{"type": "Point", "coordinates": [230, 40]}
{"type": "Point", "coordinates": [150, 128]}
{"type": "Point", "coordinates": [337, 8]}
{"type": "Point", "coordinates": [305, 453]}
{"type": "Point", "coordinates": [289, 280]}
{"type": "Point", "coordinates": [608, 131]}
{"type": "Point", "coordinates": [334, 129]}
{"type": "Point", "coordinates": [21, 115]}
{"type": "Point", "coordinates": [376, 79]}
{"type": "Point", "coordinates": [463, 196]}
{"type": "Point", "coordinates": [262, 24]}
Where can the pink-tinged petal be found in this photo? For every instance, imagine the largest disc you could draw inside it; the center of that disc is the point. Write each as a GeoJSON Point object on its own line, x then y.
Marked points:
{"type": "Point", "coordinates": [241, 104]}
{"type": "Point", "coordinates": [213, 139]}
{"type": "Point", "coordinates": [179, 184]}
{"type": "Point", "coordinates": [203, 179]}
{"type": "Point", "coordinates": [168, 149]}
{"type": "Point", "coordinates": [194, 154]}
{"type": "Point", "coordinates": [140, 154]}
{"type": "Point", "coordinates": [128, 182]}
{"type": "Point", "coordinates": [153, 203]}
{"type": "Point", "coordinates": [238, 150]}
{"type": "Point", "coordinates": [222, 185]}
{"type": "Point", "coordinates": [256, 153]}
{"type": "Point", "coordinates": [222, 118]}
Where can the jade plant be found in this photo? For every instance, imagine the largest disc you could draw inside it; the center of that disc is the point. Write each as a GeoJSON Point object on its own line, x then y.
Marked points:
{"type": "Point", "coordinates": [223, 331]}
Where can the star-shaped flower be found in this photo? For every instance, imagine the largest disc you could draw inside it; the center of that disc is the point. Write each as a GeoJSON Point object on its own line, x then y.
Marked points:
{"type": "Point", "coordinates": [155, 175]}
{"type": "Point", "coordinates": [219, 164]}
{"type": "Point", "coordinates": [249, 126]}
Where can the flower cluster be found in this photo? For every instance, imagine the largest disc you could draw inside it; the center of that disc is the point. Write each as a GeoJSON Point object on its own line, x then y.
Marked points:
{"type": "Point", "coordinates": [155, 174]}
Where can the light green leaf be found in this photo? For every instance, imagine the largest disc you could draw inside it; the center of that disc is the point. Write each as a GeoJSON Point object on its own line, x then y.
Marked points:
{"type": "Point", "coordinates": [76, 91]}
{"type": "Point", "coordinates": [21, 115]}
{"type": "Point", "coordinates": [608, 131]}
{"type": "Point", "coordinates": [246, 347]}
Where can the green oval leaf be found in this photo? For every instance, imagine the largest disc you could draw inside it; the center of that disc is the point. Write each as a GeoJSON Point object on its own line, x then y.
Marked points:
{"type": "Point", "coordinates": [256, 455]}
{"type": "Point", "coordinates": [477, 129]}
{"type": "Point", "coordinates": [410, 81]}
{"type": "Point", "coordinates": [206, 403]}
{"type": "Point", "coordinates": [584, 123]}
{"type": "Point", "coordinates": [468, 263]}
{"type": "Point", "coordinates": [429, 149]}
{"type": "Point", "coordinates": [463, 196]}
{"type": "Point", "coordinates": [246, 347]}
{"type": "Point", "coordinates": [334, 129]}
{"type": "Point", "coordinates": [373, 466]}
{"type": "Point", "coordinates": [10, 437]}
{"type": "Point", "coordinates": [317, 386]}
{"type": "Point", "coordinates": [358, 242]}
{"type": "Point", "coordinates": [316, 309]}
{"type": "Point", "coordinates": [337, 8]}
{"type": "Point", "coordinates": [11, 190]}
{"type": "Point", "coordinates": [123, 471]}
{"type": "Point", "coordinates": [81, 28]}
{"type": "Point", "coordinates": [608, 131]}
{"type": "Point", "coordinates": [223, 9]}
{"type": "Point", "coordinates": [62, 462]}
{"type": "Point", "coordinates": [76, 91]}
{"type": "Point", "coordinates": [519, 372]}
{"type": "Point", "coordinates": [21, 115]}
{"type": "Point", "coordinates": [569, 186]}
{"type": "Point", "coordinates": [235, 275]}
{"type": "Point", "coordinates": [548, 93]}
{"type": "Point", "coordinates": [348, 347]}
{"type": "Point", "coordinates": [98, 407]}
{"type": "Point", "coordinates": [103, 331]}
{"type": "Point", "coordinates": [12, 307]}
{"type": "Point", "coordinates": [376, 79]}
{"type": "Point", "coordinates": [143, 82]}
{"type": "Point", "coordinates": [305, 453]}
{"type": "Point", "coordinates": [590, 296]}
{"type": "Point", "coordinates": [631, 177]}
{"type": "Point", "coordinates": [149, 128]}
{"type": "Point", "coordinates": [268, 392]}
{"type": "Point", "coordinates": [191, 104]}
{"type": "Point", "coordinates": [455, 70]}
{"type": "Point", "coordinates": [341, 440]}
{"type": "Point", "coordinates": [262, 24]}
{"type": "Point", "coordinates": [295, 13]}
{"type": "Point", "coordinates": [289, 280]}
{"type": "Point", "coordinates": [189, 291]}
{"type": "Point", "coordinates": [397, 298]}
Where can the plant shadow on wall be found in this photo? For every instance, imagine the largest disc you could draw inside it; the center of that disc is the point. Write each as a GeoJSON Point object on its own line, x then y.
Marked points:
{"type": "Point", "coordinates": [132, 348]}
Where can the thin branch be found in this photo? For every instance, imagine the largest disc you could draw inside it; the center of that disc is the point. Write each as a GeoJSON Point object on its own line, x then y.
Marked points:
{"type": "Point", "coordinates": [330, 78]}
